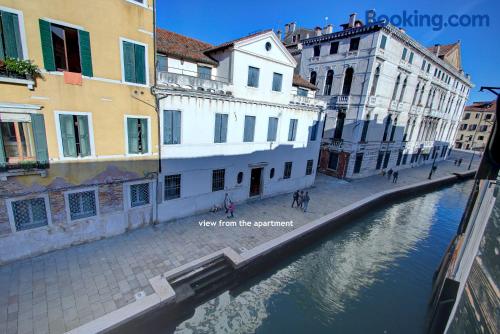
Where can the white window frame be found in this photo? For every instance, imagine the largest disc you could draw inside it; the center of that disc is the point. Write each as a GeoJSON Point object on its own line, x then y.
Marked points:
{"type": "Point", "coordinates": [10, 212]}
{"type": "Point", "coordinates": [143, 3]}
{"type": "Point", "coordinates": [59, 138]}
{"type": "Point", "coordinates": [162, 131]}
{"type": "Point", "coordinates": [125, 127]}
{"type": "Point", "coordinates": [127, 198]}
{"type": "Point", "coordinates": [79, 190]}
{"type": "Point", "coordinates": [22, 30]}
{"type": "Point", "coordinates": [146, 62]}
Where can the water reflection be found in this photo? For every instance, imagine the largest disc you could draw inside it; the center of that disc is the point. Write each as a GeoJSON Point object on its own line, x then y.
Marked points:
{"type": "Point", "coordinates": [372, 262]}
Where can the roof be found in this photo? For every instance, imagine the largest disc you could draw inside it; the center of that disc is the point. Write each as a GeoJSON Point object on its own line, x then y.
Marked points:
{"type": "Point", "coordinates": [234, 41]}
{"type": "Point", "coordinates": [443, 49]}
{"type": "Point", "coordinates": [482, 106]}
{"type": "Point", "coordinates": [172, 44]}
{"type": "Point", "coordinates": [301, 82]}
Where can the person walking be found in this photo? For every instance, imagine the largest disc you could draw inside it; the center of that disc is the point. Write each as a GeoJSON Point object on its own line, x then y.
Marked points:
{"type": "Point", "coordinates": [227, 200]}
{"type": "Point", "coordinates": [389, 174]}
{"type": "Point", "coordinates": [395, 177]}
{"type": "Point", "coordinates": [459, 162]}
{"type": "Point", "coordinates": [305, 201]}
{"type": "Point", "coordinates": [295, 198]}
{"type": "Point", "coordinates": [455, 162]}
{"type": "Point", "coordinates": [301, 199]}
{"type": "Point", "coordinates": [231, 208]}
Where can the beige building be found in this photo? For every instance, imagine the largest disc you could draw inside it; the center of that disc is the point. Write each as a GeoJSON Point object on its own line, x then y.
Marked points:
{"type": "Point", "coordinates": [475, 126]}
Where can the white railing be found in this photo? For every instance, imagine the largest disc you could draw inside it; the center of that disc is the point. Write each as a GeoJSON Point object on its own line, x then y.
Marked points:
{"type": "Point", "coordinates": [372, 101]}
{"type": "Point", "coordinates": [305, 100]}
{"type": "Point", "coordinates": [189, 81]}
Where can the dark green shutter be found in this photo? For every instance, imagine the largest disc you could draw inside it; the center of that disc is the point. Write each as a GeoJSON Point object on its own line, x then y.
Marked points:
{"type": "Point", "coordinates": [12, 36]}
{"type": "Point", "coordinates": [176, 127]}
{"type": "Point", "coordinates": [83, 134]}
{"type": "Point", "coordinates": [3, 157]}
{"type": "Point", "coordinates": [133, 136]}
{"type": "Point", "coordinates": [85, 53]}
{"type": "Point", "coordinates": [140, 64]}
{"type": "Point", "coordinates": [129, 62]}
{"type": "Point", "coordinates": [167, 127]}
{"type": "Point", "coordinates": [46, 39]}
{"type": "Point", "coordinates": [144, 135]}
{"type": "Point", "coordinates": [223, 128]}
{"type": "Point", "coordinates": [2, 51]}
{"type": "Point", "coordinates": [68, 135]}
{"type": "Point", "coordinates": [217, 128]}
{"type": "Point", "coordinates": [39, 134]}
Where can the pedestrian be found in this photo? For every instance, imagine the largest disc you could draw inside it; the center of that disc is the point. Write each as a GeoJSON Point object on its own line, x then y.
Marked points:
{"type": "Point", "coordinates": [389, 174]}
{"type": "Point", "coordinates": [382, 172]}
{"type": "Point", "coordinates": [301, 199]}
{"type": "Point", "coordinates": [231, 208]}
{"type": "Point", "coordinates": [459, 162]}
{"type": "Point", "coordinates": [295, 198]}
{"type": "Point", "coordinates": [305, 201]}
{"type": "Point", "coordinates": [455, 162]}
{"type": "Point", "coordinates": [226, 202]}
{"type": "Point", "coordinates": [395, 177]}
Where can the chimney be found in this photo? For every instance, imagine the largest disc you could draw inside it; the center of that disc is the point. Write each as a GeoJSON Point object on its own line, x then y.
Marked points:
{"type": "Point", "coordinates": [287, 28]}
{"type": "Point", "coordinates": [352, 20]}
{"type": "Point", "coordinates": [317, 31]}
{"type": "Point", "coordinates": [278, 33]}
{"type": "Point", "coordinates": [438, 48]}
{"type": "Point", "coordinates": [328, 29]}
{"type": "Point", "coordinates": [293, 25]}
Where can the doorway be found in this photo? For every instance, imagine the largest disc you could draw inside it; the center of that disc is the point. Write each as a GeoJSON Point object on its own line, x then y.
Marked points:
{"type": "Point", "coordinates": [255, 182]}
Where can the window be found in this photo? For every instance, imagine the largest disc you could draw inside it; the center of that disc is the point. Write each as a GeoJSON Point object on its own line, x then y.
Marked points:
{"type": "Point", "coordinates": [302, 92]}
{"type": "Point", "coordinates": [423, 65]}
{"type": "Point", "coordinates": [287, 172]}
{"type": "Point", "coordinates": [171, 127]}
{"type": "Point", "coordinates": [139, 194]}
{"type": "Point", "coordinates": [162, 63]}
{"type": "Point", "coordinates": [309, 167]}
{"type": "Point", "coordinates": [271, 173]}
{"type": "Point", "coordinates": [358, 162]}
{"type": "Point", "coordinates": [364, 132]}
{"type": "Point", "coordinates": [277, 81]}
{"type": "Point", "coordinates": [10, 36]}
{"type": "Point", "coordinates": [292, 129]}
{"type": "Point", "coordinates": [388, 121]}
{"type": "Point", "coordinates": [410, 60]}
{"type": "Point", "coordinates": [386, 158]}
{"type": "Point", "coordinates": [328, 83]}
{"type": "Point", "coordinates": [463, 126]}
{"type": "Point", "coordinates": [172, 187]}
{"type": "Point", "coordinates": [29, 213]}
{"type": "Point", "coordinates": [483, 128]}
{"type": "Point", "coordinates": [396, 86]}
{"type": "Point", "coordinates": [65, 48]}
{"type": "Point", "coordinates": [428, 68]}
{"type": "Point", "coordinates": [334, 48]}
{"type": "Point", "coordinates": [314, 131]}
{"type": "Point", "coordinates": [218, 177]}
{"type": "Point", "coordinates": [480, 137]}
{"type": "Point", "coordinates": [403, 89]}
{"type": "Point", "coordinates": [75, 136]}
{"type": "Point", "coordinates": [375, 81]}
{"type": "Point", "coordinates": [253, 77]}
{"type": "Point", "coordinates": [393, 130]}
{"type": "Point", "coordinates": [477, 115]}
{"type": "Point", "coordinates": [204, 72]}
{"type": "Point", "coordinates": [346, 88]}
{"type": "Point", "coordinates": [488, 116]}
{"type": "Point", "coordinates": [312, 79]}
{"type": "Point", "coordinates": [272, 129]}
{"type": "Point", "coordinates": [134, 63]}
{"type": "Point", "coordinates": [400, 156]}
{"type": "Point", "coordinates": [220, 133]}
{"type": "Point", "coordinates": [316, 50]}
{"type": "Point", "coordinates": [82, 204]}
{"type": "Point", "coordinates": [239, 178]}
{"type": "Point", "coordinates": [17, 143]}
{"type": "Point", "coordinates": [249, 131]}
{"type": "Point", "coordinates": [354, 44]}
{"type": "Point", "coordinates": [379, 159]}
{"type": "Point", "coordinates": [405, 158]}
{"type": "Point", "coordinates": [333, 160]}
{"type": "Point", "coordinates": [137, 135]}
{"type": "Point", "coordinates": [466, 116]}
{"type": "Point", "coordinates": [383, 42]}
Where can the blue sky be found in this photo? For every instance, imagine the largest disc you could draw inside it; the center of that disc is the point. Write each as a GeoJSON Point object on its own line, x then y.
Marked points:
{"type": "Point", "coordinates": [219, 21]}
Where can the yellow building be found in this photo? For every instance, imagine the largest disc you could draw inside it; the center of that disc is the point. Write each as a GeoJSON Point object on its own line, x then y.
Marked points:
{"type": "Point", "coordinates": [78, 149]}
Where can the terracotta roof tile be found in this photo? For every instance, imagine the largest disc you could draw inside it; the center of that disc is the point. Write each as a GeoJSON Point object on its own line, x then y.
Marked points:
{"type": "Point", "coordinates": [443, 49]}
{"type": "Point", "coordinates": [301, 82]}
{"type": "Point", "coordinates": [231, 43]}
{"type": "Point", "coordinates": [490, 106]}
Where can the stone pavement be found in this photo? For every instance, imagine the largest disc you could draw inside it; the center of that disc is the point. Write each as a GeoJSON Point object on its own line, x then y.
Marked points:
{"type": "Point", "coordinates": [64, 289]}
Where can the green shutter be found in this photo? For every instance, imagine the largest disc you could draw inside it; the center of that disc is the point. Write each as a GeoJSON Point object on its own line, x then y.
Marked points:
{"type": "Point", "coordinates": [46, 39]}
{"type": "Point", "coordinates": [167, 127]}
{"type": "Point", "coordinates": [12, 36]}
{"type": "Point", "coordinates": [140, 64]}
{"type": "Point", "coordinates": [38, 125]}
{"type": "Point", "coordinates": [83, 134]}
{"type": "Point", "coordinates": [217, 128]}
{"type": "Point", "coordinates": [68, 135]}
{"type": "Point", "coordinates": [133, 136]}
{"type": "Point", "coordinates": [176, 127]}
{"type": "Point", "coordinates": [223, 128]}
{"type": "Point", "coordinates": [3, 157]}
{"type": "Point", "coordinates": [85, 53]}
{"type": "Point", "coordinates": [129, 62]}
{"type": "Point", "coordinates": [144, 135]}
{"type": "Point", "coordinates": [2, 51]}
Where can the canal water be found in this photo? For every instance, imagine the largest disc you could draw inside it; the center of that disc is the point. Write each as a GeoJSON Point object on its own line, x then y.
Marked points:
{"type": "Point", "coordinates": [372, 276]}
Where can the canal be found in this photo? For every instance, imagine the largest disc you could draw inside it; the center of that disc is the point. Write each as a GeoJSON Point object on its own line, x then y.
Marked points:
{"type": "Point", "coordinates": [372, 276]}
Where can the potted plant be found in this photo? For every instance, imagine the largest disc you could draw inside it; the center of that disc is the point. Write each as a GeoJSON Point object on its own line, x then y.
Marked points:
{"type": "Point", "coordinates": [21, 68]}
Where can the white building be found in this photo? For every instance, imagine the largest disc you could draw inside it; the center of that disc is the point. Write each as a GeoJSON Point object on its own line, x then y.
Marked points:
{"type": "Point", "coordinates": [234, 119]}
{"type": "Point", "coordinates": [392, 102]}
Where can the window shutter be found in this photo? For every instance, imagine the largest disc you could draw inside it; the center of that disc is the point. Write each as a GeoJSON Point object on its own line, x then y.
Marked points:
{"type": "Point", "coordinates": [223, 130]}
{"type": "Point", "coordinates": [129, 62]}
{"type": "Point", "coordinates": [83, 133]}
{"type": "Point", "coordinates": [133, 136]}
{"type": "Point", "coordinates": [3, 157]}
{"type": "Point", "coordinates": [85, 53]}
{"type": "Point", "coordinates": [140, 64]}
{"type": "Point", "coordinates": [217, 138]}
{"type": "Point", "coordinates": [290, 130]}
{"type": "Point", "coordinates": [11, 34]}
{"type": "Point", "coordinates": [68, 135]}
{"type": "Point", "coordinates": [46, 39]}
{"type": "Point", "coordinates": [144, 135]}
{"type": "Point", "coordinates": [176, 128]}
{"type": "Point", "coordinates": [39, 134]}
{"type": "Point", "coordinates": [167, 127]}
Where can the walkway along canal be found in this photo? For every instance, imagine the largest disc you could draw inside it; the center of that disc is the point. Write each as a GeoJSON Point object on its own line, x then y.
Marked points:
{"type": "Point", "coordinates": [372, 275]}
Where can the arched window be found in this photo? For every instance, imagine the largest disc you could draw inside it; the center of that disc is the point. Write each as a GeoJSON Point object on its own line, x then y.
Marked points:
{"type": "Point", "coordinates": [328, 82]}
{"type": "Point", "coordinates": [375, 81]}
{"type": "Point", "coordinates": [388, 121]}
{"type": "Point", "coordinates": [396, 87]}
{"type": "Point", "coordinates": [421, 95]}
{"type": "Point", "coordinates": [271, 173]}
{"type": "Point", "coordinates": [313, 78]}
{"type": "Point", "coordinates": [415, 95]}
{"type": "Point", "coordinates": [403, 89]}
{"type": "Point", "coordinates": [346, 89]}
{"type": "Point", "coordinates": [240, 177]}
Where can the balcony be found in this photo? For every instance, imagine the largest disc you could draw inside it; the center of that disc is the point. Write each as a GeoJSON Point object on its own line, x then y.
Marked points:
{"type": "Point", "coordinates": [305, 100]}
{"type": "Point", "coordinates": [372, 101]}
{"type": "Point", "coordinates": [190, 80]}
{"type": "Point", "coordinates": [340, 101]}
{"type": "Point", "coordinates": [335, 144]}
{"type": "Point", "coordinates": [394, 105]}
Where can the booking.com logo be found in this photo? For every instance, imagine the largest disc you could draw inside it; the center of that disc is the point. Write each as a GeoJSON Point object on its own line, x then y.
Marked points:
{"type": "Point", "coordinates": [436, 21]}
